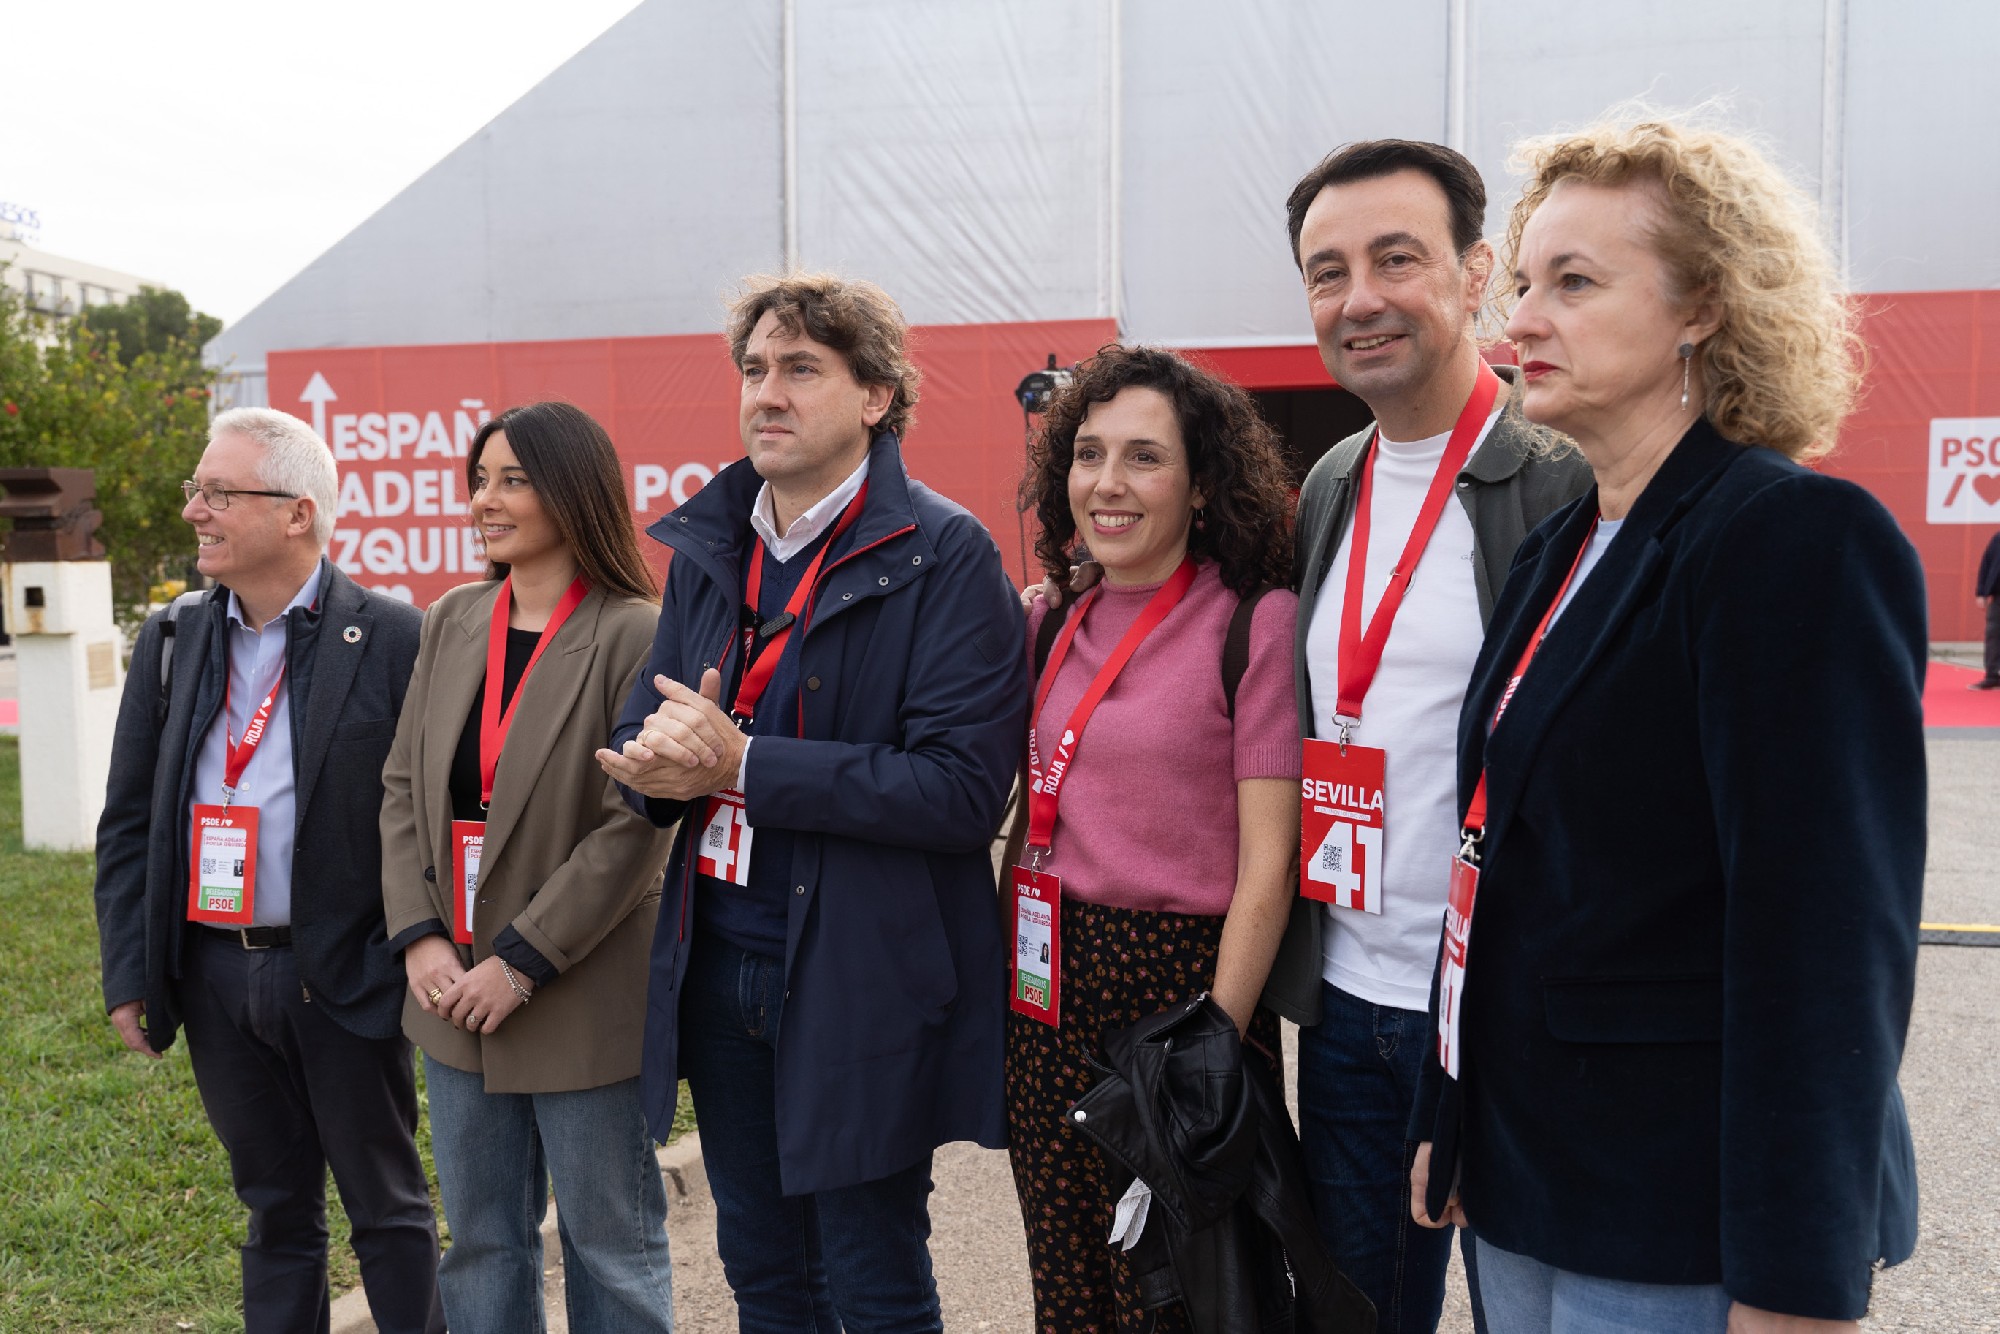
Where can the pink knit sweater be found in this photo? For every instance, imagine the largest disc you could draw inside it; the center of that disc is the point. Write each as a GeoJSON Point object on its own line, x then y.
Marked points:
{"type": "Point", "coordinates": [1148, 814]}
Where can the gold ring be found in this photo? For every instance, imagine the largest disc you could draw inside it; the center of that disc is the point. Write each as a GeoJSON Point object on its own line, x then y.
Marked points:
{"type": "Point", "coordinates": [436, 995]}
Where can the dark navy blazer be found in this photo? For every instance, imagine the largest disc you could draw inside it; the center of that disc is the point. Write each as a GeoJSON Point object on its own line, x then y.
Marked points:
{"type": "Point", "coordinates": [348, 663]}
{"type": "Point", "coordinates": [1694, 946]}
{"type": "Point", "coordinates": [912, 699]}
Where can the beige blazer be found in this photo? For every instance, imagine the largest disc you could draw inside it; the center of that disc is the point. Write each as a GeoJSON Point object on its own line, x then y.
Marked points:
{"type": "Point", "coordinates": [572, 867]}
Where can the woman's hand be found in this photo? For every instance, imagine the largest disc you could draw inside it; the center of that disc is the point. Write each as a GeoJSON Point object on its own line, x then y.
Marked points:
{"type": "Point", "coordinates": [482, 999]}
{"type": "Point", "coordinates": [1082, 578]}
{"type": "Point", "coordinates": [1420, 1180]}
{"type": "Point", "coordinates": [432, 966]}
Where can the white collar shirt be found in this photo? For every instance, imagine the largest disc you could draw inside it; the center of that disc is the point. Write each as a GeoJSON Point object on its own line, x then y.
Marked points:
{"type": "Point", "coordinates": [808, 526]}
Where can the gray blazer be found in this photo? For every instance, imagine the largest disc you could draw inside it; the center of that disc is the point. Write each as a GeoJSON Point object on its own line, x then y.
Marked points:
{"type": "Point", "coordinates": [348, 664]}
{"type": "Point", "coordinates": [1518, 477]}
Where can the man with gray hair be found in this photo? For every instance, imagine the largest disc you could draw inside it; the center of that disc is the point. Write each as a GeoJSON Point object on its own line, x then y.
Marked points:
{"type": "Point", "coordinates": [239, 886]}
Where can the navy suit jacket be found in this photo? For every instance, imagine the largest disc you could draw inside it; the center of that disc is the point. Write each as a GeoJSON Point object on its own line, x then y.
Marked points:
{"type": "Point", "coordinates": [912, 698]}
{"type": "Point", "coordinates": [1694, 946]}
{"type": "Point", "coordinates": [347, 666]}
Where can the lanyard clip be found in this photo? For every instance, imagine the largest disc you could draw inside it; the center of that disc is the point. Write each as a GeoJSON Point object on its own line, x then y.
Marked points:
{"type": "Point", "coordinates": [1035, 859]}
{"type": "Point", "coordinates": [1347, 726]}
{"type": "Point", "coordinates": [228, 795]}
{"type": "Point", "coordinates": [1468, 847]}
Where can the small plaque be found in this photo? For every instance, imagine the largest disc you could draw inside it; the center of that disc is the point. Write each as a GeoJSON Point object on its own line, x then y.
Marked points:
{"type": "Point", "coordinates": [101, 660]}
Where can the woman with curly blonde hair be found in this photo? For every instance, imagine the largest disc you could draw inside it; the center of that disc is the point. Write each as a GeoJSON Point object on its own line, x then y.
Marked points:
{"type": "Point", "coordinates": [1692, 772]}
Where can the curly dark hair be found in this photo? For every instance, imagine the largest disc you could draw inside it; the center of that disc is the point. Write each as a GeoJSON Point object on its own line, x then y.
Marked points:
{"type": "Point", "coordinates": [1233, 455]}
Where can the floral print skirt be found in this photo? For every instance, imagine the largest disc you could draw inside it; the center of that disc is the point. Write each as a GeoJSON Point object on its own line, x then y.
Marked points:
{"type": "Point", "coordinates": [1120, 965]}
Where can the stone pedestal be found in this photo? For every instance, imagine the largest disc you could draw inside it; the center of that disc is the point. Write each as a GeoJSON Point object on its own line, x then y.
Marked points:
{"type": "Point", "coordinates": [69, 656]}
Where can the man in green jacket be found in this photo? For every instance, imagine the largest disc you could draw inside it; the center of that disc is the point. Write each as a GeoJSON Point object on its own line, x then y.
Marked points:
{"type": "Point", "coordinates": [1387, 236]}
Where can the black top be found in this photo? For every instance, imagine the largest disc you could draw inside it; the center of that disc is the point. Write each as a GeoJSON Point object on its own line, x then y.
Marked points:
{"type": "Point", "coordinates": [465, 760]}
{"type": "Point", "coordinates": [509, 944]}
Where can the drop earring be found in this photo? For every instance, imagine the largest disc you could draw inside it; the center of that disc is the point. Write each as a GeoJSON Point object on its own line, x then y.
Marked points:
{"type": "Point", "coordinates": [1687, 360]}
{"type": "Point", "coordinates": [1200, 524]}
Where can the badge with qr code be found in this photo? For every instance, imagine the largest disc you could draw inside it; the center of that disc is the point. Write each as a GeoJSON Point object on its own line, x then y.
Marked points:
{"type": "Point", "coordinates": [1037, 972]}
{"type": "Point", "coordinates": [723, 850]}
{"type": "Point", "coordinates": [222, 880]}
{"type": "Point", "coordinates": [1341, 825]}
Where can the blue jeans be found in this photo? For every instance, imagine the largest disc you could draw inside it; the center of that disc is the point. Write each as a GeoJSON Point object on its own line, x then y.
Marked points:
{"type": "Point", "coordinates": [1525, 1296]}
{"type": "Point", "coordinates": [856, 1259]}
{"type": "Point", "coordinates": [496, 1153]}
{"type": "Point", "coordinates": [1357, 1082]}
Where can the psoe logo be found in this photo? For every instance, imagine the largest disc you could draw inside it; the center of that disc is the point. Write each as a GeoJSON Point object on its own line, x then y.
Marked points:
{"type": "Point", "coordinates": [1964, 471]}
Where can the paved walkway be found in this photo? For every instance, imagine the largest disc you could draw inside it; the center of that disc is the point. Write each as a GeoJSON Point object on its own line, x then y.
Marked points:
{"type": "Point", "coordinates": [1951, 1078]}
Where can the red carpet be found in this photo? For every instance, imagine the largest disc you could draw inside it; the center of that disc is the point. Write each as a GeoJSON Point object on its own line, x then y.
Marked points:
{"type": "Point", "coordinates": [1947, 702]}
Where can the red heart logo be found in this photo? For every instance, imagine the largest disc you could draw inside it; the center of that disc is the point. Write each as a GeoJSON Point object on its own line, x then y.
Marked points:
{"type": "Point", "coordinates": [1987, 484]}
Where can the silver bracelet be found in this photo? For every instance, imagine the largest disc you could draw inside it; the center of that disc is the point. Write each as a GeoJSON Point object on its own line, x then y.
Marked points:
{"type": "Point", "coordinates": [514, 982]}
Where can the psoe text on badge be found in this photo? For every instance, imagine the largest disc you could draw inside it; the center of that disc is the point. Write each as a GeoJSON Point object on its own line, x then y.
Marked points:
{"type": "Point", "coordinates": [1964, 472]}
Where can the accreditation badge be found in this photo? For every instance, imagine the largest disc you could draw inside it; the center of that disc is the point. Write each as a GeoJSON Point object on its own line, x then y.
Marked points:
{"type": "Point", "coordinates": [1341, 824]}
{"type": "Point", "coordinates": [1036, 989]}
{"type": "Point", "coordinates": [222, 881]}
{"type": "Point", "coordinates": [724, 849]}
{"type": "Point", "coordinates": [468, 842]}
{"type": "Point", "coordinates": [1457, 948]}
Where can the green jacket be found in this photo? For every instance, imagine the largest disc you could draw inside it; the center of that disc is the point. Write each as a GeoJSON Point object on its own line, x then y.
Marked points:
{"type": "Point", "coordinates": [1521, 474]}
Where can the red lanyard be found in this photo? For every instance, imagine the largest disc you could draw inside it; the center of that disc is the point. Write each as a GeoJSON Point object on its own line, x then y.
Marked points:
{"type": "Point", "coordinates": [1475, 810]}
{"type": "Point", "coordinates": [493, 724]}
{"type": "Point", "coordinates": [757, 675]}
{"type": "Point", "coordinates": [236, 754]}
{"type": "Point", "coordinates": [1361, 655]}
{"type": "Point", "coordinates": [1046, 785]}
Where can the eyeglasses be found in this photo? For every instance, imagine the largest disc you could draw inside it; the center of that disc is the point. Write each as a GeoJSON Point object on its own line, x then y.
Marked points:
{"type": "Point", "coordinates": [217, 497]}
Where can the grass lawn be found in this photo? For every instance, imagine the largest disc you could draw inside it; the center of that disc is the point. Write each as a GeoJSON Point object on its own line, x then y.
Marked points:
{"type": "Point", "coordinates": [115, 1207]}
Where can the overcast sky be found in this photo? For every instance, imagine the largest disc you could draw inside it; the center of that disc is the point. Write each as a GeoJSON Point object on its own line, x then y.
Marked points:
{"type": "Point", "coordinates": [218, 146]}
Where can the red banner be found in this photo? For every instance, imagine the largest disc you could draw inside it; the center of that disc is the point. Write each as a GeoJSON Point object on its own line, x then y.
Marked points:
{"type": "Point", "coordinates": [400, 419]}
{"type": "Point", "coordinates": [1926, 436]}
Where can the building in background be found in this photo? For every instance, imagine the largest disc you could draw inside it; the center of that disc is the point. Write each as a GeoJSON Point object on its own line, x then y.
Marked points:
{"type": "Point", "coordinates": [1037, 177]}
{"type": "Point", "coordinates": [56, 285]}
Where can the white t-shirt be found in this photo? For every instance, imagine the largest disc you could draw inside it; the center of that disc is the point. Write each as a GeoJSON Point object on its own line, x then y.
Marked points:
{"type": "Point", "coordinates": [1411, 712]}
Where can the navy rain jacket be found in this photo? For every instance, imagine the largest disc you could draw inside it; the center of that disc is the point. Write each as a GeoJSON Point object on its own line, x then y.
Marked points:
{"type": "Point", "coordinates": [913, 700]}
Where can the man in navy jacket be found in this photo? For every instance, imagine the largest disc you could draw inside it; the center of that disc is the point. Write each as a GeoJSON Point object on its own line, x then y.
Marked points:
{"type": "Point", "coordinates": [834, 711]}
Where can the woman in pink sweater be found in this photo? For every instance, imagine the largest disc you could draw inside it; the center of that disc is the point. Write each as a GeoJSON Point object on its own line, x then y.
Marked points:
{"type": "Point", "coordinates": [1162, 826]}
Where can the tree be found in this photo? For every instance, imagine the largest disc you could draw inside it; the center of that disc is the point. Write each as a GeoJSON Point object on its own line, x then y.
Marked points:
{"type": "Point", "coordinates": [157, 321]}
{"type": "Point", "coordinates": [126, 396]}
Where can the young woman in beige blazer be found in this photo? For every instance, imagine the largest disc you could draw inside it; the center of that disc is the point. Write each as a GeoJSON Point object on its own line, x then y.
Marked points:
{"type": "Point", "coordinates": [522, 890]}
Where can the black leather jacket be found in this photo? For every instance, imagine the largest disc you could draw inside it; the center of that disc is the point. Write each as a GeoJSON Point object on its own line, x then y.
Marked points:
{"type": "Point", "coordinates": [1230, 1233]}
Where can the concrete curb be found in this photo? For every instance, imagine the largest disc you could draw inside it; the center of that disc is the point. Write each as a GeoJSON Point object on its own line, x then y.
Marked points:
{"type": "Point", "coordinates": [680, 1168]}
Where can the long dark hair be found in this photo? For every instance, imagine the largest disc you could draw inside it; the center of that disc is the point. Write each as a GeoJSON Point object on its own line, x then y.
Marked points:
{"type": "Point", "coordinates": [1233, 456]}
{"type": "Point", "coordinates": [574, 469]}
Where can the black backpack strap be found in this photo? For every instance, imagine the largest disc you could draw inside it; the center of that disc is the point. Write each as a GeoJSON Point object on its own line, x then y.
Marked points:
{"type": "Point", "coordinates": [1236, 645]}
{"type": "Point", "coordinates": [1052, 624]}
{"type": "Point", "coordinates": [169, 626]}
